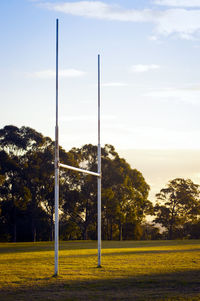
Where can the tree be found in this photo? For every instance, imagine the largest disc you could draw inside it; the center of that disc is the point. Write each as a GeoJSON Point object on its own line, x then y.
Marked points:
{"type": "Point", "coordinates": [14, 193]}
{"type": "Point", "coordinates": [150, 232]}
{"type": "Point", "coordinates": [79, 190]}
{"type": "Point", "coordinates": [124, 194]}
{"type": "Point", "coordinates": [27, 190]}
{"type": "Point", "coordinates": [192, 230]}
{"type": "Point", "coordinates": [177, 204]}
{"type": "Point", "coordinates": [17, 141]}
{"type": "Point", "coordinates": [22, 157]}
{"type": "Point", "coordinates": [125, 199]}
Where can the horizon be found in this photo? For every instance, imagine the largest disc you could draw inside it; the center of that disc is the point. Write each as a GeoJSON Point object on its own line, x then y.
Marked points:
{"type": "Point", "coordinates": [159, 166]}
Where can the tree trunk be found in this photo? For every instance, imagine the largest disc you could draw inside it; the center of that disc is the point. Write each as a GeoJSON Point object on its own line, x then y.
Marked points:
{"type": "Point", "coordinates": [120, 231]}
{"type": "Point", "coordinates": [14, 232]}
{"type": "Point", "coordinates": [52, 227]}
{"type": "Point", "coordinates": [15, 227]}
{"type": "Point", "coordinates": [111, 231]}
{"type": "Point", "coordinates": [35, 235]}
{"type": "Point", "coordinates": [107, 229]}
{"type": "Point", "coordinates": [170, 234]}
{"type": "Point", "coordinates": [33, 231]}
{"type": "Point", "coordinates": [85, 234]}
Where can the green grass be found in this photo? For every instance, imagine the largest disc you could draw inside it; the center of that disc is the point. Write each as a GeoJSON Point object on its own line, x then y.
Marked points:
{"type": "Point", "coordinates": [148, 270]}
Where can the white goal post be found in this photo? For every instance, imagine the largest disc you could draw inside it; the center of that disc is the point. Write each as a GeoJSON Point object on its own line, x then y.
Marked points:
{"type": "Point", "coordinates": [58, 165]}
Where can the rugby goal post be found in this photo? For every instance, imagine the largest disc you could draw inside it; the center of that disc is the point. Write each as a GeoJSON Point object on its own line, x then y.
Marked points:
{"type": "Point", "coordinates": [58, 165]}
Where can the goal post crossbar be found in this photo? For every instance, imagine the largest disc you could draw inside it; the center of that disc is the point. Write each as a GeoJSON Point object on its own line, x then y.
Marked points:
{"type": "Point", "coordinates": [80, 170]}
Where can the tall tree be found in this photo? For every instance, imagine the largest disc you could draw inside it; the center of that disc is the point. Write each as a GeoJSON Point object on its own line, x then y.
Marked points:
{"type": "Point", "coordinates": [27, 190]}
{"type": "Point", "coordinates": [17, 141]}
{"type": "Point", "coordinates": [15, 195]}
{"type": "Point", "coordinates": [177, 204]}
{"type": "Point", "coordinates": [21, 161]}
{"type": "Point", "coordinates": [128, 193]}
{"type": "Point", "coordinates": [124, 193]}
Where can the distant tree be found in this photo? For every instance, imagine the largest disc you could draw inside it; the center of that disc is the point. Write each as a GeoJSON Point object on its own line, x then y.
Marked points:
{"type": "Point", "coordinates": [150, 232]}
{"type": "Point", "coordinates": [191, 230]}
{"type": "Point", "coordinates": [177, 204]}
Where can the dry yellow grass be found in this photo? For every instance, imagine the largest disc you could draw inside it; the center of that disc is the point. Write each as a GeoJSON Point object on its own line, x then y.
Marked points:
{"type": "Point", "coordinates": [154, 270]}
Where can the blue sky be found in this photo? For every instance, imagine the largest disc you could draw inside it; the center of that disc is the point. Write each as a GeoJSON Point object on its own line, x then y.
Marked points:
{"type": "Point", "coordinates": [150, 70]}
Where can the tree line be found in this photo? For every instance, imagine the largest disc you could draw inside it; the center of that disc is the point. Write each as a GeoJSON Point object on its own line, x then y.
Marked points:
{"type": "Point", "coordinates": [27, 195]}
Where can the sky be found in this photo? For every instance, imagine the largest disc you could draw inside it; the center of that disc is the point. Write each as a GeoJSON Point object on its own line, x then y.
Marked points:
{"type": "Point", "coordinates": [150, 77]}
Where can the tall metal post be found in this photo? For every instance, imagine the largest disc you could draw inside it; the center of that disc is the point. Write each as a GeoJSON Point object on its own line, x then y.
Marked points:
{"type": "Point", "coordinates": [56, 164]}
{"type": "Point", "coordinates": [99, 171]}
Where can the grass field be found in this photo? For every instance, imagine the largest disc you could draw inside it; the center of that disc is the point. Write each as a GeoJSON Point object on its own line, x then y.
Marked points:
{"type": "Point", "coordinates": [148, 270]}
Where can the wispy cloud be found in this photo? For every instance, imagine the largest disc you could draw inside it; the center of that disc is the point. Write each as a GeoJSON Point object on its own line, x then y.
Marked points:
{"type": "Point", "coordinates": [37, 1]}
{"type": "Point", "coordinates": [144, 68]}
{"type": "Point", "coordinates": [114, 84]}
{"type": "Point", "coordinates": [148, 137]}
{"type": "Point", "coordinates": [179, 21]}
{"type": "Point", "coordinates": [178, 3]}
{"type": "Point", "coordinates": [184, 23]}
{"type": "Point", "coordinates": [189, 95]}
{"type": "Point", "coordinates": [87, 118]}
{"type": "Point", "coordinates": [100, 10]}
{"type": "Point", "coordinates": [49, 73]}
{"type": "Point", "coordinates": [153, 38]}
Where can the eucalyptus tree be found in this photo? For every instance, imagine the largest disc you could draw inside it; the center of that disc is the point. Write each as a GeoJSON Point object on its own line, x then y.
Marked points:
{"type": "Point", "coordinates": [17, 141]}
{"type": "Point", "coordinates": [79, 190]}
{"type": "Point", "coordinates": [124, 193]}
{"type": "Point", "coordinates": [177, 204]}
{"type": "Point", "coordinates": [14, 194]}
{"type": "Point", "coordinates": [27, 189]}
{"type": "Point", "coordinates": [38, 175]}
{"type": "Point", "coordinates": [22, 157]}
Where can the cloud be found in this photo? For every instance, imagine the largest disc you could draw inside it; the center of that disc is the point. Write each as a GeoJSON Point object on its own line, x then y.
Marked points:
{"type": "Point", "coordinates": [187, 95]}
{"type": "Point", "coordinates": [49, 73]}
{"type": "Point", "coordinates": [149, 137]}
{"type": "Point", "coordinates": [178, 3]}
{"type": "Point", "coordinates": [36, 1]}
{"type": "Point", "coordinates": [179, 21]}
{"type": "Point", "coordinates": [100, 10]}
{"type": "Point", "coordinates": [87, 118]}
{"type": "Point", "coordinates": [182, 22]}
{"type": "Point", "coordinates": [143, 68]}
{"type": "Point", "coordinates": [153, 38]}
{"type": "Point", "coordinates": [114, 84]}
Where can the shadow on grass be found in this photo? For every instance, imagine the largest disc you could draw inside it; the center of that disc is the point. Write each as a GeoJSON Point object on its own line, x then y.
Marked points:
{"type": "Point", "coordinates": [84, 245]}
{"type": "Point", "coordinates": [170, 286]}
{"type": "Point", "coordinates": [140, 252]}
{"type": "Point", "coordinates": [45, 246]}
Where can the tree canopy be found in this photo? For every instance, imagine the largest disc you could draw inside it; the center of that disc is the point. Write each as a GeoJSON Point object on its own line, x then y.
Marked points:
{"type": "Point", "coordinates": [27, 190]}
{"type": "Point", "coordinates": [177, 205]}
{"type": "Point", "coordinates": [27, 194]}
